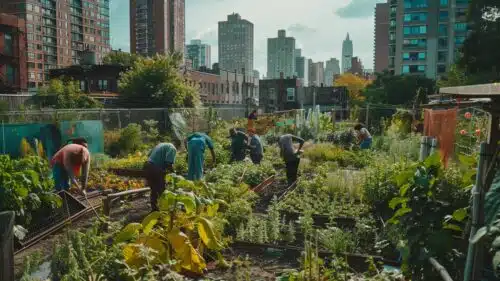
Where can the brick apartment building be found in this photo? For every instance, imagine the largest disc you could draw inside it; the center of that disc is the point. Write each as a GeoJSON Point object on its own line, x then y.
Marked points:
{"type": "Point", "coordinates": [12, 54]}
{"type": "Point", "coordinates": [58, 33]}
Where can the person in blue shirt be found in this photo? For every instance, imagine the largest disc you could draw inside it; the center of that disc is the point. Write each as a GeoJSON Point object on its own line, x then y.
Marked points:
{"type": "Point", "coordinates": [196, 144]}
{"type": "Point", "coordinates": [161, 160]}
{"type": "Point", "coordinates": [256, 149]}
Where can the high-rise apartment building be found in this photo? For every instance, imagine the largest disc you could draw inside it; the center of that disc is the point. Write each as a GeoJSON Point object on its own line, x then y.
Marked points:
{"type": "Point", "coordinates": [280, 56]}
{"type": "Point", "coordinates": [157, 26]}
{"type": "Point", "coordinates": [316, 73]}
{"type": "Point", "coordinates": [12, 54]}
{"type": "Point", "coordinates": [332, 68]}
{"type": "Point", "coordinates": [356, 66]}
{"type": "Point", "coordinates": [301, 67]}
{"type": "Point", "coordinates": [200, 54]}
{"type": "Point", "coordinates": [236, 44]}
{"type": "Point", "coordinates": [381, 44]}
{"type": "Point", "coordinates": [347, 53]}
{"type": "Point", "coordinates": [60, 33]}
{"type": "Point", "coordinates": [424, 35]}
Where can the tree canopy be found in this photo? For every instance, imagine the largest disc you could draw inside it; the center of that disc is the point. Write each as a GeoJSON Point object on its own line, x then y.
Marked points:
{"type": "Point", "coordinates": [156, 82]}
{"type": "Point", "coordinates": [120, 58]}
{"type": "Point", "coordinates": [354, 84]}
{"type": "Point", "coordinates": [60, 94]}
{"type": "Point", "coordinates": [399, 89]}
{"type": "Point", "coordinates": [480, 57]}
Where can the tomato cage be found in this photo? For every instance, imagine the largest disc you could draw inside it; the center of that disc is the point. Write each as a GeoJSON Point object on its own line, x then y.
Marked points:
{"type": "Point", "coordinates": [472, 130]}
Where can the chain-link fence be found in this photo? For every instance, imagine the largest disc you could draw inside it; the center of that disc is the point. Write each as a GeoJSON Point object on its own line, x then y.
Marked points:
{"type": "Point", "coordinates": [113, 119]}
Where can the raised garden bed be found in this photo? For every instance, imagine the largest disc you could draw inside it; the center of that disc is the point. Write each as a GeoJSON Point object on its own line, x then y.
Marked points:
{"type": "Point", "coordinates": [133, 173]}
{"type": "Point", "coordinates": [357, 262]}
{"type": "Point", "coordinates": [322, 220]}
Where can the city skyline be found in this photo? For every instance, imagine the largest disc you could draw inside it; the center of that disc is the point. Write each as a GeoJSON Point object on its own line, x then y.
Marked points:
{"type": "Point", "coordinates": [319, 29]}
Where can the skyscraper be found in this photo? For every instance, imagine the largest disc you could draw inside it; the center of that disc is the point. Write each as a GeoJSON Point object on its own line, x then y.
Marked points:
{"type": "Point", "coordinates": [356, 66]}
{"type": "Point", "coordinates": [157, 26]}
{"type": "Point", "coordinates": [200, 54]}
{"type": "Point", "coordinates": [301, 67]}
{"type": "Point", "coordinates": [424, 36]}
{"type": "Point", "coordinates": [59, 33]}
{"type": "Point", "coordinates": [381, 45]}
{"type": "Point", "coordinates": [280, 56]}
{"type": "Point", "coordinates": [347, 53]}
{"type": "Point", "coordinates": [236, 44]}
{"type": "Point", "coordinates": [332, 68]}
{"type": "Point", "coordinates": [316, 73]}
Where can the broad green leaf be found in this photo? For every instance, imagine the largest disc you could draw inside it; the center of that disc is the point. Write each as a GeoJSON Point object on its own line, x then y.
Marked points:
{"type": "Point", "coordinates": [150, 221]}
{"type": "Point", "coordinates": [480, 233]}
{"type": "Point", "coordinates": [22, 192]}
{"type": "Point", "coordinates": [207, 233]}
{"type": "Point", "coordinates": [433, 160]}
{"type": "Point", "coordinates": [451, 226]}
{"type": "Point", "coordinates": [397, 201]}
{"type": "Point", "coordinates": [129, 232]}
{"type": "Point", "coordinates": [460, 214]}
{"type": "Point", "coordinates": [187, 199]}
{"type": "Point", "coordinates": [166, 201]}
{"type": "Point", "coordinates": [496, 244]}
{"type": "Point", "coordinates": [404, 177]}
{"type": "Point", "coordinates": [403, 189]}
{"type": "Point", "coordinates": [469, 161]}
{"type": "Point", "coordinates": [212, 209]}
{"type": "Point", "coordinates": [401, 212]}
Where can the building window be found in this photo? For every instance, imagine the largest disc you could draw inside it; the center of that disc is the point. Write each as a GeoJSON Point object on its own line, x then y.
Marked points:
{"type": "Point", "coordinates": [413, 56]}
{"type": "Point", "coordinates": [443, 3]}
{"type": "Point", "coordinates": [443, 16]}
{"type": "Point", "coordinates": [441, 68]}
{"type": "Point", "coordinates": [460, 26]}
{"type": "Point", "coordinates": [413, 69]}
{"type": "Point", "coordinates": [415, 43]}
{"type": "Point", "coordinates": [443, 29]}
{"type": "Point", "coordinates": [443, 42]}
{"type": "Point", "coordinates": [413, 4]}
{"type": "Point", "coordinates": [459, 40]}
{"type": "Point", "coordinates": [412, 30]}
{"type": "Point", "coordinates": [102, 85]}
{"type": "Point", "coordinates": [9, 47]}
{"type": "Point", "coordinates": [442, 56]}
{"type": "Point", "coordinates": [415, 17]}
{"type": "Point", "coordinates": [11, 74]}
{"type": "Point", "coordinates": [290, 94]}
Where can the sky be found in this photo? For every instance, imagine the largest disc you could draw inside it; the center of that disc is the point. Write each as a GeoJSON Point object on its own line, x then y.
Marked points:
{"type": "Point", "coordinates": [319, 26]}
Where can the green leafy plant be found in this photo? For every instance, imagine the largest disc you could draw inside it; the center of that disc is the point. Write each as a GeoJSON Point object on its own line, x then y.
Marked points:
{"type": "Point", "coordinates": [180, 233]}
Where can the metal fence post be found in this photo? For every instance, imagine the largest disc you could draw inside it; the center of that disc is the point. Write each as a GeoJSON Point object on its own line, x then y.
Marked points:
{"type": "Point", "coordinates": [7, 246]}
{"type": "Point", "coordinates": [424, 146]}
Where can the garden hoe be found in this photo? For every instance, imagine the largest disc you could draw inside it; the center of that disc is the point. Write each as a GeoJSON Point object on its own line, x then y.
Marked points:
{"type": "Point", "coordinates": [91, 206]}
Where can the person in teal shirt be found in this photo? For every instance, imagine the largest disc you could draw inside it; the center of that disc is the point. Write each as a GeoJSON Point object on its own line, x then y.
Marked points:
{"type": "Point", "coordinates": [160, 160]}
{"type": "Point", "coordinates": [196, 144]}
{"type": "Point", "coordinates": [239, 143]}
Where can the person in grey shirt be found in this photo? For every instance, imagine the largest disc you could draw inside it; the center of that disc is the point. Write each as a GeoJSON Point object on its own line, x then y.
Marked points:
{"type": "Point", "coordinates": [290, 155]}
{"type": "Point", "coordinates": [256, 149]}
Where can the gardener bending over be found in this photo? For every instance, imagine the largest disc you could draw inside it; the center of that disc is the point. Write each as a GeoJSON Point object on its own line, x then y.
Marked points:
{"type": "Point", "coordinates": [256, 149]}
{"type": "Point", "coordinates": [239, 143]}
{"type": "Point", "coordinates": [290, 155]}
{"type": "Point", "coordinates": [196, 144]}
{"type": "Point", "coordinates": [67, 164]}
{"type": "Point", "coordinates": [364, 137]}
{"type": "Point", "coordinates": [161, 159]}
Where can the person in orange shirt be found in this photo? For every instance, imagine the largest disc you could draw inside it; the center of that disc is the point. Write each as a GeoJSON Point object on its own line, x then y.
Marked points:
{"type": "Point", "coordinates": [67, 164]}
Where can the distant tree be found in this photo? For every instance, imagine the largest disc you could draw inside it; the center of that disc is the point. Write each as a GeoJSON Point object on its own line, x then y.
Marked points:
{"type": "Point", "coordinates": [456, 76]}
{"type": "Point", "coordinates": [399, 89]}
{"type": "Point", "coordinates": [120, 58]}
{"type": "Point", "coordinates": [354, 84]}
{"type": "Point", "coordinates": [64, 94]}
{"type": "Point", "coordinates": [480, 56]}
{"type": "Point", "coordinates": [157, 82]}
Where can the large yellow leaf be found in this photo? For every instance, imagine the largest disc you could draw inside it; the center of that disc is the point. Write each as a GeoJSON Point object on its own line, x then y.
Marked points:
{"type": "Point", "coordinates": [157, 245]}
{"type": "Point", "coordinates": [132, 256]}
{"type": "Point", "coordinates": [192, 261]}
{"type": "Point", "coordinates": [150, 221]}
{"type": "Point", "coordinates": [212, 209]}
{"type": "Point", "coordinates": [129, 232]}
{"type": "Point", "coordinates": [207, 233]}
{"type": "Point", "coordinates": [179, 241]}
